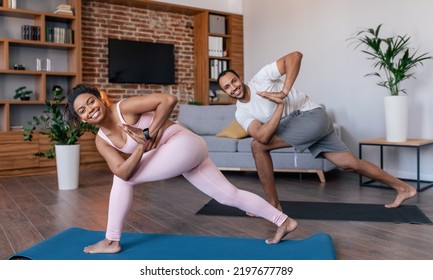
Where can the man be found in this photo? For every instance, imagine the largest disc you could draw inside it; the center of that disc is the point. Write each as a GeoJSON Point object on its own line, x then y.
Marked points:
{"type": "Point", "coordinates": [276, 115]}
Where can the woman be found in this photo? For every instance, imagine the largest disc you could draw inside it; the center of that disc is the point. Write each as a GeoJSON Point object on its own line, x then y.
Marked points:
{"type": "Point", "coordinates": [140, 126]}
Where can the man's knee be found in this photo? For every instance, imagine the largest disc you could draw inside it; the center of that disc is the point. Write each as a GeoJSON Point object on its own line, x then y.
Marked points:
{"type": "Point", "coordinates": [345, 161]}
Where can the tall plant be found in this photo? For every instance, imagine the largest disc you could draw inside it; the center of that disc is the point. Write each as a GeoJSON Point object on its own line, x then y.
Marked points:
{"type": "Point", "coordinates": [391, 55]}
{"type": "Point", "coordinates": [55, 125]}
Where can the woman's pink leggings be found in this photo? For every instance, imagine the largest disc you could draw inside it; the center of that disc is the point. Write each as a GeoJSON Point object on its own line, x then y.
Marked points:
{"type": "Point", "coordinates": [182, 152]}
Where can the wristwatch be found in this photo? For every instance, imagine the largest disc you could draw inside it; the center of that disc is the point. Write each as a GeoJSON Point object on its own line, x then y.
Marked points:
{"type": "Point", "coordinates": [146, 133]}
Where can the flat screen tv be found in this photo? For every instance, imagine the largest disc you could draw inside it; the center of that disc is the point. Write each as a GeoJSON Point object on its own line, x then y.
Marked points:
{"type": "Point", "coordinates": [140, 62]}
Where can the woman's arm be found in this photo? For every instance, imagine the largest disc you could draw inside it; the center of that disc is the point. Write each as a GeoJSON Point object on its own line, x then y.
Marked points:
{"type": "Point", "coordinates": [119, 166]}
{"type": "Point", "coordinates": [161, 103]}
{"type": "Point", "coordinates": [131, 110]}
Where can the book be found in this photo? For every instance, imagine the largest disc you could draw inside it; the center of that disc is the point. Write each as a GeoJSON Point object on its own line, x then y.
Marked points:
{"type": "Point", "coordinates": [65, 12]}
{"type": "Point", "coordinates": [64, 7]}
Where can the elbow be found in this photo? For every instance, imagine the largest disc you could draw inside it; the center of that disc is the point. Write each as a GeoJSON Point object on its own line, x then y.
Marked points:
{"type": "Point", "coordinates": [121, 175]}
{"type": "Point", "coordinates": [172, 99]}
{"type": "Point", "coordinates": [298, 54]}
{"type": "Point", "coordinates": [263, 139]}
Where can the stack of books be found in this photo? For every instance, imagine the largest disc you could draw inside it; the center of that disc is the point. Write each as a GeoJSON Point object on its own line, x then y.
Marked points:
{"type": "Point", "coordinates": [31, 32]}
{"type": "Point", "coordinates": [64, 9]}
{"type": "Point", "coordinates": [59, 35]}
{"type": "Point", "coordinates": [216, 46]}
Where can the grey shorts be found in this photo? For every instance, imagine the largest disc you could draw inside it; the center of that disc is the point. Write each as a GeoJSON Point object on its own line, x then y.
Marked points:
{"type": "Point", "coordinates": [311, 130]}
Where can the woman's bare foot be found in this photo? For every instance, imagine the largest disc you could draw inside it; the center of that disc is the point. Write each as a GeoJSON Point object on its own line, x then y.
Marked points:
{"type": "Point", "coordinates": [288, 226]}
{"type": "Point", "coordinates": [402, 195]}
{"type": "Point", "coordinates": [104, 246]}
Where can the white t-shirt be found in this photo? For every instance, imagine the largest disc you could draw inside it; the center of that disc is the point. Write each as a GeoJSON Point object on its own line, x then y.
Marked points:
{"type": "Point", "coordinates": [258, 108]}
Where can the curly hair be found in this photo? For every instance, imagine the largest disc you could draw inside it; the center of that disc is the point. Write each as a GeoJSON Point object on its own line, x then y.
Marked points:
{"type": "Point", "coordinates": [76, 91]}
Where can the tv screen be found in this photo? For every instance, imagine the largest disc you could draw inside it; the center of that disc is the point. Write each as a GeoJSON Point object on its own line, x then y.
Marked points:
{"type": "Point", "coordinates": [140, 62]}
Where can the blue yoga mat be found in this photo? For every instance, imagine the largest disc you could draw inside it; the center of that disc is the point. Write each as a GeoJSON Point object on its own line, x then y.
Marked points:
{"type": "Point", "coordinates": [69, 244]}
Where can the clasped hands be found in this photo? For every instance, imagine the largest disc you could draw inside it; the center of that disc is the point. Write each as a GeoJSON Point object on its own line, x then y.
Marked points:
{"type": "Point", "coordinates": [137, 134]}
{"type": "Point", "coordinates": [276, 97]}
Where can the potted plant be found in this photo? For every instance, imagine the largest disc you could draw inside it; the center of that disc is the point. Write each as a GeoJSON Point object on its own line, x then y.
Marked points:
{"type": "Point", "coordinates": [22, 93]}
{"type": "Point", "coordinates": [395, 62]}
{"type": "Point", "coordinates": [62, 134]}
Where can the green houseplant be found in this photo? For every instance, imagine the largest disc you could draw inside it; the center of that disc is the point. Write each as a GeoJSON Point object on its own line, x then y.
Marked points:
{"type": "Point", "coordinates": [55, 125]}
{"type": "Point", "coordinates": [64, 137]}
{"type": "Point", "coordinates": [391, 55]}
{"type": "Point", "coordinates": [395, 62]}
{"type": "Point", "coordinates": [22, 93]}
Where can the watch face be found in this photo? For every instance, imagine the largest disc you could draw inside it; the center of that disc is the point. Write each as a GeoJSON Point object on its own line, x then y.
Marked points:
{"type": "Point", "coordinates": [146, 133]}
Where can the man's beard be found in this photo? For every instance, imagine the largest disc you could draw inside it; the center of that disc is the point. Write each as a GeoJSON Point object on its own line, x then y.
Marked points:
{"type": "Point", "coordinates": [244, 91]}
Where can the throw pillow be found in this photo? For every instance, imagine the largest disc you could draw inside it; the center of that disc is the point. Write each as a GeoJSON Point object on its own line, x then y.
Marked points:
{"type": "Point", "coordinates": [233, 130]}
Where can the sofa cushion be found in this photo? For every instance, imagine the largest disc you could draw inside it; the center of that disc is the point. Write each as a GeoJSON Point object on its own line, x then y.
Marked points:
{"type": "Point", "coordinates": [219, 144]}
{"type": "Point", "coordinates": [206, 120]}
{"type": "Point", "coordinates": [233, 130]}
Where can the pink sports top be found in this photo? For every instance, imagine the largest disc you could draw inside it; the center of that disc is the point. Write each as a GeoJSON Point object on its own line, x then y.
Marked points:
{"type": "Point", "coordinates": [130, 145]}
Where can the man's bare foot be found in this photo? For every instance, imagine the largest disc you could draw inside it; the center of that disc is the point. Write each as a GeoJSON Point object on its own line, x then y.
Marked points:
{"type": "Point", "coordinates": [403, 195]}
{"type": "Point", "coordinates": [288, 226]}
{"type": "Point", "coordinates": [104, 246]}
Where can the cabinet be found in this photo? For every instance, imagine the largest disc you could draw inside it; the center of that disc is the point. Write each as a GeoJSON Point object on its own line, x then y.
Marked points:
{"type": "Point", "coordinates": [231, 54]}
{"type": "Point", "coordinates": [16, 51]}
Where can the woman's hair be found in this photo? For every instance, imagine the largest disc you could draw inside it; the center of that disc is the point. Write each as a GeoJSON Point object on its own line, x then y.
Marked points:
{"type": "Point", "coordinates": [76, 91]}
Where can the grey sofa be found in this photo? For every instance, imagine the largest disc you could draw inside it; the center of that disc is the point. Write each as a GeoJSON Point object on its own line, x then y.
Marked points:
{"type": "Point", "coordinates": [235, 154]}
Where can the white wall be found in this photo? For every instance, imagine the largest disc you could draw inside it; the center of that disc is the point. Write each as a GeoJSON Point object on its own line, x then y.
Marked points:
{"type": "Point", "coordinates": [333, 72]}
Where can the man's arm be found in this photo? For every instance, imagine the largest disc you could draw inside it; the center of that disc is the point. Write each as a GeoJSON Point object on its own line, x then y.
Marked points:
{"type": "Point", "coordinates": [288, 65]}
{"type": "Point", "coordinates": [264, 132]}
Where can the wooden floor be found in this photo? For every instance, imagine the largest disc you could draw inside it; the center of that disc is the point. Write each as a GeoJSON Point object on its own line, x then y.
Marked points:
{"type": "Point", "coordinates": [32, 209]}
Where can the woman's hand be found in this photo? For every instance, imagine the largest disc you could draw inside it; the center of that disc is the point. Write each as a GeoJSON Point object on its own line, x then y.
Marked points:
{"type": "Point", "coordinates": [276, 97]}
{"type": "Point", "coordinates": [138, 136]}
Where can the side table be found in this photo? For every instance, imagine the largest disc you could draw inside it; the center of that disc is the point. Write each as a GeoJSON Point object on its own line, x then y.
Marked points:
{"type": "Point", "coordinates": [410, 143]}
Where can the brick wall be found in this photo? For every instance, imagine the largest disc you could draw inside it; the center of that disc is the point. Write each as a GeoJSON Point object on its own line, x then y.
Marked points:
{"type": "Point", "coordinates": [101, 21]}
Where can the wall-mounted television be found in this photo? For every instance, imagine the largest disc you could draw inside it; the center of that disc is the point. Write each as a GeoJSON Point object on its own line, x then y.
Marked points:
{"type": "Point", "coordinates": [140, 62]}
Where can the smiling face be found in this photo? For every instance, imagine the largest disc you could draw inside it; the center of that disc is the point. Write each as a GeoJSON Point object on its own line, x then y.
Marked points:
{"type": "Point", "coordinates": [89, 108]}
{"type": "Point", "coordinates": [233, 86]}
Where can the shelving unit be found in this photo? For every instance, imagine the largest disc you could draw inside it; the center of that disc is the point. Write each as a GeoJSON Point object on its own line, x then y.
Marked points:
{"type": "Point", "coordinates": [232, 54]}
{"type": "Point", "coordinates": [17, 156]}
{"type": "Point", "coordinates": [65, 58]}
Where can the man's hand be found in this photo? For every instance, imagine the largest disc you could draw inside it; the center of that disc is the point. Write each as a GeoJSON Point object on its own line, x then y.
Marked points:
{"type": "Point", "coordinates": [276, 97]}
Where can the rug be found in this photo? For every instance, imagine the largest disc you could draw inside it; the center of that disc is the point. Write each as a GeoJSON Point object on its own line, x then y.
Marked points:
{"type": "Point", "coordinates": [69, 244]}
{"type": "Point", "coordinates": [410, 214]}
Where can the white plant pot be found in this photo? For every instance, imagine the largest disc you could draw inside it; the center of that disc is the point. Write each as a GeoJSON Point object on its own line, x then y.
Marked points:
{"type": "Point", "coordinates": [68, 166]}
{"type": "Point", "coordinates": [396, 118]}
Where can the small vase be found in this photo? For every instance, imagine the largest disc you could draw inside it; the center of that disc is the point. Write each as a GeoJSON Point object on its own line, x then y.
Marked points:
{"type": "Point", "coordinates": [396, 118]}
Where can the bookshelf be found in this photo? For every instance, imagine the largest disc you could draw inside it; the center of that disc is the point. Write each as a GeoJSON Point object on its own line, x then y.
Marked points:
{"type": "Point", "coordinates": [23, 50]}
{"type": "Point", "coordinates": [211, 60]}
{"type": "Point", "coordinates": [18, 50]}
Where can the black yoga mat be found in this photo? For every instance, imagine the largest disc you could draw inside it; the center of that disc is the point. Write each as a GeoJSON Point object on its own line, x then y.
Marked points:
{"type": "Point", "coordinates": [332, 211]}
